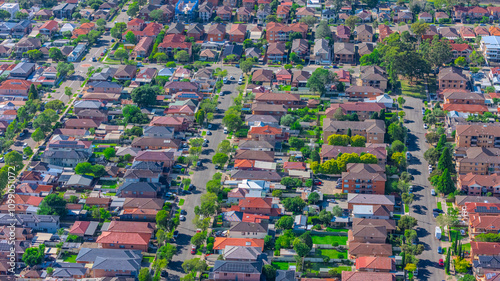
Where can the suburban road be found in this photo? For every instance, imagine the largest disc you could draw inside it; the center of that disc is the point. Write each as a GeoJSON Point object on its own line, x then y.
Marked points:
{"type": "Point", "coordinates": [424, 202]}
{"type": "Point", "coordinates": [200, 178]}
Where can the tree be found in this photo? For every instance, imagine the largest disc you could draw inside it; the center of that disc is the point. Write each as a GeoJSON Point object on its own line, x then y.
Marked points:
{"type": "Point", "coordinates": [4, 15]}
{"type": "Point", "coordinates": [208, 205]}
{"type": "Point", "coordinates": [220, 158]}
{"type": "Point", "coordinates": [232, 121]}
{"type": "Point", "coordinates": [358, 141]}
{"type": "Point", "coordinates": [467, 277]}
{"type": "Point", "coordinates": [410, 267]}
{"type": "Point", "coordinates": [246, 66]}
{"type": "Point", "coordinates": [401, 101]}
{"type": "Point", "coordinates": [194, 265]}
{"type": "Point", "coordinates": [160, 57]}
{"type": "Point", "coordinates": [295, 142]}
{"type": "Point", "coordinates": [182, 56]}
{"type": "Point", "coordinates": [396, 132]}
{"type": "Point", "coordinates": [28, 151]}
{"type": "Point", "coordinates": [224, 147]}
{"type": "Point", "coordinates": [133, 9]}
{"type": "Point", "coordinates": [340, 140]}
{"type": "Point", "coordinates": [67, 91]}
{"type": "Point", "coordinates": [162, 218]}
{"type": "Point", "coordinates": [130, 37]}
{"type": "Point", "coordinates": [52, 204]}
{"type": "Point", "coordinates": [118, 30]}
{"type": "Point", "coordinates": [200, 116]}
{"type": "Point", "coordinates": [461, 265]}
{"type": "Point", "coordinates": [319, 79]}
{"type": "Point", "coordinates": [45, 120]}
{"type": "Point", "coordinates": [294, 204]}
{"type": "Point", "coordinates": [33, 92]}
{"type": "Point", "coordinates": [313, 198]}
{"type": "Point", "coordinates": [109, 152]}
{"type": "Point", "coordinates": [323, 30]}
{"type": "Point", "coordinates": [21, 16]}
{"type": "Point", "coordinates": [14, 159]}
{"type": "Point", "coordinates": [337, 211]}
{"type": "Point", "coordinates": [145, 95]}
{"type": "Point", "coordinates": [34, 255]}
{"type": "Point", "coordinates": [460, 61]}
{"type": "Point", "coordinates": [368, 158]}
{"type": "Point", "coordinates": [54, 105]}
{"type": "Point", "coordinates": [351, 22]}
{"type": "Point", "coordinates": [198, 239]}
{"type": "Point", "coordinates": [34, 54]}
{"type": "Point", "coordinates": [197, 142]}
{"type": "Point", "coordinates": [290, 182]}
{"type": "Point", "coordinates": [476, 58]}
{"type": "Point", "coordinates": [445, 160]}
{"type": "Point", "coordinates": [285, 222]}
{"type": "Point", "coordinates": [432, 137]}
{"type": "Point", "coordinates": [445, 184]}
{"type": "Point", "coordinates": [133, 114]}
{"type": "Point", "coordinates": [287, 120]}
{"type": "Point", "coordinates": [301, 248]}
{"type": "Point", "coordinates": [156, 15]}
{"type": "Point", "coordinates": [144, 275]}
{"type": "Point", "coordinates": [419, 28]}
{"type": "Point", "coordinates": [407, 222]}
{"type": "Point", "coordinates": [64, 68]}
{"type": "Point", "coordinates": [121, 54]}
{"type": "Point", "coordinates": [407, 198]}
{"type": "Point", "coordinates": [269, 271]}
{"type": "Point", "coordinates": [38, 135]}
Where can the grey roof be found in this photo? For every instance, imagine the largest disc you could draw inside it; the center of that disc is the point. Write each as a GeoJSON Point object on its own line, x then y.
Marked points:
{"type": "Point", "coordinates": [122, 151]}
{"type": "Point", "coordinates": [22, 68]}
{"type": "Point", "coordinates": [80, 180]}
{"type": "Point", "coordinates": [88, 104]}
{"type": "Point", "coordinates": [252, 53]}
{"type": "Point", "coordinates": [261, 118]}
{"type": "Point", "coordinates": [105, 74]}
{"type": "Point", "coordinates": [374, 199]}
{"type": "Point", "coordinates": [69, 272]}
{"type": "Point", "coordinates": [60, 154]}
{"type": "Point", "coordinates": [196, 27]}
{"type": "Point", "coordinates": [249, 144]}
{"type": "Point", "coordinates": [89, 255]}
{"type": "Point", "coordinates": [92, 228]}
{"type": "Point", "coordinates": [117, 263]}
{"type": "Point", "coordinates": [138, 187]}
{"type": "Point", "coordinates": [176, 28]}
{"type": "Point", "coordinates": [104, 84]}
{"type": "Point", "coordinates": [22, 219]}
{"type": "Point", "coordinates": [233, 50]}
{"type": "Point", "coordinates": [147, 165]}
{"type": "Point", "coordinates": [242, 252]}
{"type": "Point", "coordinates": [238, 267]}
{"type": "Point", "coordinates": [248, 227]}
{"type": "Point", "coordinates": [490, 262]}
{"type": "Point", "coordinates": [140, 174]}
{"type": "Point", "coordinates": [344, 48]}
{"type": "Point", "coordinates": [158, 130]}
{"type": "Point", "coordinates": [285, 275]}
{"type": "Point", "coordinates": [461, 200]}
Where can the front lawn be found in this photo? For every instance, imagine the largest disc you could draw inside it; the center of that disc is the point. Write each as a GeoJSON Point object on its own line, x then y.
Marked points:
{"type": "Point", "coordinates": [416, 89]}
{"type": "Point", "coordinates": [285, 88]}
{"type": "Point", "coordinates": [407, 208]}
{"type": "Point", "coordinates": [282, 265]}
{"type": "Point", "coordinates": [108, 184]}
{"type": "Point", "coordinates": [181, 202]}
{"type": "Point", "coordinates": [342, 240]}
{"type": "Point", "coordinates": [455, 232]}
{"type": "Point", "coordinates": [466, 247]}
{"type": "Point", "coordinates": [71, 259]}
{"type": "Point", "coordinates": [148, 259]}
{"type": "Point", "coordinates": [440, 207]}
{"type": "Point", "coordinates": [333, 254]}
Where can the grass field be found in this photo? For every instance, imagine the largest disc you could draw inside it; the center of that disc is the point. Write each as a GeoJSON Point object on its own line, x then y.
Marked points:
{"type": "Point", "coordinates": [416, 89]}
{"type": "Point", "coordinates": [282, 265]}
{"type": "Point", "coordinates": [148, 259]}
{"type": "Point", "coordinates": [342, 240]}
{"type": "Point", "coordinates": [181, 202]}
{"type": "Point", "coordinates": [333, 254]}
{"type": "Point", "coordinates": [466, 247]}
{"type": "Point", "coordinates": [342, 268]}
{"type": "Point", "coordinates": [108, 184]}
{"type": "Point", "coordinates": [329, 229]}
{"type": "Point", "coordinates": [407, 208]}
{"type": "Point", "coordinates": [439, 206]}
{"type": "Point", "coordinates": [71, 259]}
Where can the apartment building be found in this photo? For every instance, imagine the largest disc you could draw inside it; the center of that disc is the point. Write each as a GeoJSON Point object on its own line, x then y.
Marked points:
{"type": "Point", "coordinates": [451, 78]}
{"type": "Point", "coordinates": [278, 32]}
{"type": "Point", "coordinates": [478, 160]}
{"type": "Point", "coordinates": [364, 179]}
{"type": "Point", "coordinates": [478, 135]}
{"type": "Point", "coordinates": [490, 48]}
{"type": "Point", "coordinates": [372, 130]}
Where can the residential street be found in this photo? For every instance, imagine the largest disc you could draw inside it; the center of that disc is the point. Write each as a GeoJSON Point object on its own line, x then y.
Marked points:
{"type": "Point", "coordinates": [200, 178]}
{"type": "Point", "coordinates": [424, 202]}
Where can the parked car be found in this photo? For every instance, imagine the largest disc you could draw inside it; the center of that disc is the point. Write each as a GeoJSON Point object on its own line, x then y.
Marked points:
{"type": "Point", "coordinates": [199, 164]}
{"type": "Point", "coordinates": [182, 218]}
{"type": "Point", "coordinates": [176, 233]}
{"type": "Point", "coordinates": [193, 249]}
{"type": "Point", "coordinates": [437, 210]}
{"type": "Point", "coordinates": [440, 250]}
{"type": "Point", "coordinates": [183, 212]}
{"type": "Point", "coordinates": [209, 133]}
{"type": "Point", "coordinates": [192, 187]}
{"type": "Point", "coordinates": [441, 263]}
{"type": "Point", "coordinates": [425, 126]}
{"type": "Point", "coordinates": [433, 192]}
{"type": "Point", "coordinates": [317, 182]}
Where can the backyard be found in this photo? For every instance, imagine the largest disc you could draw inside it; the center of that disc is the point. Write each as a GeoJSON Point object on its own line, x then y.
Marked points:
{"type": "Point", "coordinates": [71, 259]}
{"type": "Point", "coordinates": [341, 240]}
{"type": "Point", "coordinates": [329, 229]}
{"type": "Point", "coordinates": [332, 253]}
{"type": "Point", "coordinates": [108, 184]}
{"type": "Point", "coordinates": [282, 265]}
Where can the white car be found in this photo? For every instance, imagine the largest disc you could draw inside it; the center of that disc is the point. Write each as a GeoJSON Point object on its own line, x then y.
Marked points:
{"type": "Point", "coordinates": [425, 126]}
{"type": "Point", "coordinates": [433, 192]}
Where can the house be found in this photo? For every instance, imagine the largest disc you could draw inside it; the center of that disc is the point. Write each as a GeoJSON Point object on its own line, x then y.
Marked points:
{"type": "Point", "coordinates": [205, 11]}
{"type": "Point", "coordinates": [367, 234]}
{"type": "Point", "coordinates": [451, 78]}
{"type": "Point", "coordinates": [490, 48]}
{"type": "Point", "coordinates": [64, 10]}
{"type": "Point", "coordinates": [124, 240]}
{"type": "Point", "coordinates": [13, 88]}
{"type": "Point", "coordinates": [129, 226]}
{"type": "Point", "coordinates": [103, 87]}
{"type": "Point", "coordinates": [195, 30]}
{"type": "Point", "coordinates": [260, 108]}
{"type": "Point", "coordinates": [387, 201]}
{"type": "Point", "coordinates": [467, 33]}
{"type": "Point", "coordinates": [145, 75]}
{"type": "Point", "coordinates": [257, 205]}
{"type": "Point", "coordinates": [372, 130]}
{"type": "Point", "coordinates": [106, 74]}
{"type": "Point", "coordinates": [179, 123]}
{"type": "Point", "coordinates": [365, 48]}
{"type": "Point", "coordinates": [389, 225]}
{"type": "Point", "coordinates": [234, 50]}
{"type": "Point", "coordinates": [276, 52]}
{"type": "Point", "coordinates": [449, 33]}
{"type": "Point", "coordinates": [343, 33]}
{"type": "Point", "coordinates": [242, 253]}
{"type": "Point", "coordinates": [216, 32]}
{"type": "Point", "coordinates": [236, 270]}
{"type": "Point", "coordinates": [110, 262]}
{"type": "Point", "coordinates": [244, 14]}
{"type": "Point", "coordinates": [479, 224]}
{"type": "Point", "coordinates": [79, 182]}
{"type": "Point", "coordinates": [237, 33]}
{"type": "Point", "coordinates": [255, 145]}
{"type": "Point", "coordinates": [155, 143]}
{"type": "Point", "coordinates": [485, 265]}
{"type": "Point", "coordinates": [461, 50]}
{"type": "Point", "coordinates": [224, 12]}
{"type": "Point", "coordinates": [478, 160]}
{"type": "Point", "coordinates": [141, 50]}
{"type": "Point", "coordinates": [368, 276]}
{"type": "Point", "coordinates": [80, 124]}
{"type": "Point", "coordinates": [262, 76]}
{"type": "Point", "coordinates": [278, 32]}
{"type": "Point", "coordinates": [221, 243]}
{"type": "Point", "coordinates": [322, 53]}
{"type": "Point", "coordinates": [477, 135]}
{"type": "Point", "coordinates": [357, 250]}
{"type": "Point", "coordinates": [304, 12]}
{"type": "Point", "coordinates": [22, 70]}
{"type": "Point", "coordinates": [364, 33]}
{"type": "Point", "coordinates": [331, 152]}
{"type": "Point", "coordinates": [459, 96]}
{"type": "Point", "coordinates": [173, 42]}
{"type": "Point", "coordinates": [49, 28]}
{"type": "Point", "coordinates": [44, 14]}
{"type": "Point", "coordinates": [247, 230]}
{"type": "Point", "coordinates": [266, 133]}
{"type": "Point", "coordinates": [255, 155]}
{"type": "Point", "coordinates": [363, 110]}
{"type": "Point", "coordinates": [384, 31]}
{"type": "Point", "coordinates": [300, 78]}
{"type": "Point", "coordinates": [208, 55]}
{"type": "Point", "coordinates": [84, 228]}
{"type": "Point", "coordinates": [300, 47]}
{"type": "Point", "coordinates": [344, 52]}
{"type": "Point", "coordinates": [426, 17]}
{"type": "Point", "coordinates": [77, 53]}
{"type": "Point", "coordinates": [403, 17]}
{"type": "Point", "coordinates": [282, 13]}
{"type": "Point", "coordinates": [138, 189]}
{"type": "Point", "coordinates": [44, 223]}
{"type": "Point", "coordinates": [483, 249]}
{"type": "Point", "coordinates": [283, 77]}
{"type": "Point", "coordinates": [125, 72]}
{"type": "Point", "coordinates": [364, 178]}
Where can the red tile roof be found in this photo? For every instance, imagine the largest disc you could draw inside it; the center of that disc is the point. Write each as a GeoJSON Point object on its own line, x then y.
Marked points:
{"type": "Point", "coordinates": [469, 108]}
{"type": "Point", "coordinates": [79, 227]}
{"type": "Point", "coordinates": [50, 25]}
{"type": "Point", "coordinates": [294, 166]}
{"type": "Point", "coordinates": [135, 21]}
{"type": "Point", "coordinates": [238, 29]}
{"type": "Point", "coordinates": [256, 203]}
{"type": "Point", "coordinates": [124, 238]}
{"type": "Point", "coordinates": [266, 130]}
{"type": "Point", "coordinates": [253, 218]}
{"type": "Point", "coordinates": [222, 242]}
{"type": "Point", "coordinates": [244, 163]}
{"type": "Point", "coordinates": [15, 84]}
{"type": "Point", "coordinates": [375, 263]}
{"type": "Point", "coordinates": [484, 248]}
{"type": "Point", "coordinates": [460, 47]}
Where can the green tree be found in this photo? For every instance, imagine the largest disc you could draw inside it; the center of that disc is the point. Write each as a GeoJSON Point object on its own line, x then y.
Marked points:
{"type": "Point", "coordinates": [407, 222]}
{"type": "Point", "coordinates": [194, 265]}
{"type": "Point", "coordinates": [232, 121]}
{"type": "Point", "coordinates": [162, 218]}
{"type": "Point", "coordinates": [118, 30]}
{"type": "Point", "coordinates": [461, 265]}
{"type": "Point", "coordinates": [64, 68]}
{"type": "Point", "coordinates": [341, 140]}
{"type": "Point", "coordinates": [133, 114]}
{"type": "Point", "coordinates": [182, 56]}
{"type": "Point", "coordinates": [145, 95]}
{"type": "Point", "coordinates": [130, 37]}
{"type": "Point", "coordinates": [28, 151]}
{"type": "Point", "coordinates": [467, 277]}
{"type": "Point", "coordinates": [38, 135]}
{"type": "Point", "coordinates": [144, 275]}
{"type": "Point", "coordinates": [34, 54]}
{"type": "Point", "coordinates": [121, 54]}
{"type": "Point", "coordinates": [160, 57]}
{"type": "Point", "coordinates": [358, 141]}
{"type": "Point", "coordinates": [246, 66]}
{"type": "Point", "coordinates": [294, 204]}
{"type": "Point", "coordinates": [351, 22]}
{"type": "Point", "coordinates": [220, 158]}
{"type": "Point", "coordinates": [323, 30]}
{"type": "Point", "coordinates": [109, 152]}
{"type": "Point", "coordinates": [198, 239]}
{"type": "Point", "coordinates": [269, 271]}
{"type": "Point", "coordinates": [208, 205]}
{"type": "Point", "coordinates": [157, 15]}
{"type": "Point", "coordinates": [319, 79]}
{"type": "Point", "coordinates": [419, 28]}
{"type": "Point", "coordinates": [445, 184]}
{"type": "Point", "coordinates": [445, 160]}
{"type": "Point", "coordinates": [313, 198]}
{"type": "Point", "coordinates": [14, 159]}
{"type": "Point", "coordinates": [476, 58]}
{"type": "Point", "coordinates": [34, 255]}
{"type": "Point", "coordinates": [224, 147]}
{"type": "Point", "coordinates": [54, 105]}
{"type": "Point", "coordinates": [296, 142]}
{"type": "Point", "coordinates": [52, 204]}
{"type": "Point", "coordinates": [460, 61]}
{"type": "Point", "coordinates": [133, 9]}
{"type": "Point", "coordinates": [285, 222]}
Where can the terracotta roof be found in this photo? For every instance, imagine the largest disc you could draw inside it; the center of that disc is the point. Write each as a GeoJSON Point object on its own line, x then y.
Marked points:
{"type": "Point", "coordinates": [376, 263]}
{"type": "Point", "coordinates": [253, 217]}
{"type": "Point", "coordinates": [255, 155]}
{"type": "Point", "coordinates": [262, 75]}
{"type": "Point", "coordinates": [87, 25]}
{"type": "Point", "coordinates": [50, 25]}
{"type": "Point", "coordinates": [167, 120]}
{"type": "Point", "coordinates": [460, 47]}
{"type": "Point", "coordinates": [486, 222]}
{"type": "Point", "coordinates": [238, 29]}
{"type": "Point", "coordinates": [244, 163]}
{"type": "Point", "coordinates": [332, 151]}
{"type": "Point", "coordinates": [222, 242]}
{"type": "Point", "coordinates": [485, 248]}
{"type": "Point", "coordinates": [269, 96]}
{"type": "Point", "coordinates": [97, 201]}
{"type": "Point", "coordinates": [266, 130]}
{"type": "Point", "coordinates": [370, 249]}
{"type": "Point", "coordinates": [469, 108]}
{"type": "Point", "coordinates": [280, 27]}
{"type": "Point", "coordinates": [216, 29]}
{"type": "Point", "coordinates": [354, 107]}
{"type": "Point", "coordinates": [373, 172]}
{"type": "Point", "coordinates": [135, 21]}
{"type": "Point", "coordinates": [256, 202]}
{"type": "Point", "coordinates": [277, 48]}
{"type": "Point", "coordinates": [131, 226]}
{"type": "Point", "coordinates": [294, 165]}
{"type": "Point", "coordinates": [124, 238]}
{"type": "Point", "coordinates": [15, 84]}
{"type": "Point", "coordinates": [389, 225]}
{"type": "Point", "coordinates": [79, 227]}
{"type": "Point", "coordinates": [483, 208]}
{"type": "Point", "coordinates": [367, 276]}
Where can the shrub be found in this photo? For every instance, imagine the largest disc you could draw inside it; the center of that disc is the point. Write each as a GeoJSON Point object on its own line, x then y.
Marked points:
{"type": "Point", "coordinates": [211, 239]}
{"type": "Point", "coordinates": [276, 253]}
{"type": "Point", "coordinates": [335, 244]}
{"type": "Point", "coordinates": [210, 247]}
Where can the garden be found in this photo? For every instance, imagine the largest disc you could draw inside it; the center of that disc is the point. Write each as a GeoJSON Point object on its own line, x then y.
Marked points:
{"type": "Point", "coordinates": [339, 240]}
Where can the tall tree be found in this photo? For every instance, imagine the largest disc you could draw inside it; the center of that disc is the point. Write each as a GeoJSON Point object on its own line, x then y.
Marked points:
{"type": "Point", "coordinates": [446, 184]}
{"type": "Point", "coordinates": [319, 79]}
{"type": "Point", "coordinates": [351, 22]}
{"type": "Point", "coordinates": [445, 160]}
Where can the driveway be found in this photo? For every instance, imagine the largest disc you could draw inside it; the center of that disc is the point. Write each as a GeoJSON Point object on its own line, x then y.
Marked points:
{"type": "Point", "coordinates": [200, 178]}
{"type": "Point", "coordinates": [421, 209]}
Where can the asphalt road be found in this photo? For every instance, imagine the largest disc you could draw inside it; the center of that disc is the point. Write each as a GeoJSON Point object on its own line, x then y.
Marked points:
{"type": "Point", "coordinates": [200, 178]}
{"type": "Point", "coordinates": [424, 202]}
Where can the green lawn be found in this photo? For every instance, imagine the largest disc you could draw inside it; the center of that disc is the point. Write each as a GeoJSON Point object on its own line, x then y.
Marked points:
{"type": "Point", "coordinates": [329, 229]}
{"type": "Point", "coordinates": [181, 202]}
{"type": "Point", "coordinates": [407, 208]}
{"type": "Point", "coordinates": [108, 184]}
{"type": "Point", "coordinates": [71, 259]}
{"type": "Point", "coordinates": [285, 88]}
{"type": "Point", "coordinates": [439, 206]}
{"type": "Point", "coordinates": [282, 265]}
{"type": "Point", "coordinates": [111, 193]}
{"type": "Point", "coordinates": [466, 247]}
{"type": "Point", "coordinates": [203, 133]}
{"type": "Point", "coordinates": [397, 217]}
{"type": "Point", "coordinates": [449, 204]}
{"type": "Point", "coordinates": [148, 259]}
{"type": "Point", "coordinates": [333, 254]}
{"type": "Point", "coordinates": [342, 268]}
{"type": "Point", "coordinates": [416, 89]}
{"type": "Point", "coordinates": [342, 240]}
{"type": "Point", "coordinates": [453, 233]}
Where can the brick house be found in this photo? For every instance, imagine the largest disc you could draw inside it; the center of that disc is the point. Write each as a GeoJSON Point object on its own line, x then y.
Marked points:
{"type": "Point", "coordinates": [364, 178]}
{"type": "Point", "coordinates": [372, 130]}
